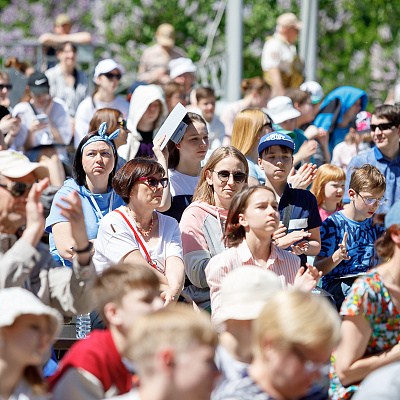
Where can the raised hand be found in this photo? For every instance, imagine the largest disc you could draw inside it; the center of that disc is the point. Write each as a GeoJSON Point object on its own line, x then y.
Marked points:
{"type": "Point", "coordinates": [292, 237]}
{"type": "Point", "coordinates": [307, 279]}
{"type": "Point", "coordinates": [342, 250]}
{"type": "Point", "coordinates": [303, 177]}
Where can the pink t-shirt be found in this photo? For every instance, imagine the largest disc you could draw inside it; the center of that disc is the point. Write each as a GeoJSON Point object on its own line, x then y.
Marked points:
{"type": "Point", "coordinates": [325, 214]}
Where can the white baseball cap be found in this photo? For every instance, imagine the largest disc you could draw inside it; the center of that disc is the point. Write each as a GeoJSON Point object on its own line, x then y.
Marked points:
{"type": "Point", "coordinates": [281, 109]}
{"type": "Point", "coordinates": [105, 66]}
{"type": "Point", "coordinates": [17, 165]}
{"type": "Point", "coordinates": [245, 291]}
{"type": "Point", "coordinates": [181, 65]}
{"type": "Point", "coordinates": [317, 93]}
{"type": "Point", "coordinates": [16, 301]}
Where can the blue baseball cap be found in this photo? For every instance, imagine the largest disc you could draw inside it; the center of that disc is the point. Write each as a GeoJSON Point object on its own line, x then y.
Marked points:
{"type": "Point", "coordinates": [393, 216]}
{"type": "Point", "coordinates": [275, 139]}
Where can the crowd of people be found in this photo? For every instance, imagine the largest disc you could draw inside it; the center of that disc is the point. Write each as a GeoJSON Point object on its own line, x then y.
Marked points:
{"type": "Point", "coordinates": [253, 254]}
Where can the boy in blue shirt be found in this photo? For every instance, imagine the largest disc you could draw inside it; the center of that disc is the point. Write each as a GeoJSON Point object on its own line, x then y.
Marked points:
{"type": "Point", "coordinates": [348, 236]}
{"type": "Point", "coordinates": [298, 208]}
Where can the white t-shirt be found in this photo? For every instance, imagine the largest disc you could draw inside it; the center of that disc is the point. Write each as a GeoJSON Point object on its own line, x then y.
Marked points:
{"type": "Point", "coordinates": [86, 110]}
{"type": "Point", "coordinates": [58, 115]}
{"type": "Point", "coordinates": [181, 184]}
{"type": "Point", "coordinates": [115, 239]}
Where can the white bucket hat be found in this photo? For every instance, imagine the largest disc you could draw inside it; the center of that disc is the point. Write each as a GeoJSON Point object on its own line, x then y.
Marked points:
{"type": "Point", "coordinates": [281, 109]}
{"type": "Point", "coordinates": [105, 66]}
{"type": "Point", "coordinates": [16, 165]}
{"type": "Point", "coordinates": [179, 66]}
{"type": "Point", "coordinates": [245, 291]}
{"type": "Point", "coordinates": [16, 301]}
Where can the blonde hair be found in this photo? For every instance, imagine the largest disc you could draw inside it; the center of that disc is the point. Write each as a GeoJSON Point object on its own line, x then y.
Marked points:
{"type": "Point", "coordinates": [176, 326]}
{"type": "Point", "coordinates": [204, 191]}
{"type": "Point", "coordinates": [117, 281]}
{"type": "Point", "coordinates": [326, 173]}
{"type": "Point", "coordinates": [292, 317]}
{"type": "Point", "coordinates": [246, 128]}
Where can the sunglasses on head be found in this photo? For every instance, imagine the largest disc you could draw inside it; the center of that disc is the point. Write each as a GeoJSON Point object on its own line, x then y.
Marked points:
{"type": "Point", "coordinates": [238, 177]}
{"type": "Point", "coordinates": [382, 127]}
{"type": "Point", "coordinates": [123, 124]}
{"type": "Point", "coordinates": [110, 76]}
{"type": "Point", "coordinates": [17, 189]}
{"type": "Point", "coordinates": [154, 182]}
{"type": "Point", "coordinates": [7, 86]}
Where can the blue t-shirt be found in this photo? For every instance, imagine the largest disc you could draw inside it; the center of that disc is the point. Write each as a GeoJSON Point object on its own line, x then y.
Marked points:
{"type": "Point", "coordinates": [255, 171]}
{"type": "Point", "coordinates": [361, 237]}
{"type": "Point", "coordinates": [389, 169]}
{"type": "Point", "coordinates": [305, 213]}
{"type": "Point", "coordinates": [91, 215]}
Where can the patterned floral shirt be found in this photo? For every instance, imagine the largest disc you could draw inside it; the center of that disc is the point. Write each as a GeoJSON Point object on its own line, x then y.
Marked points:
{"type": "Point", "coordinates": [381, 314]}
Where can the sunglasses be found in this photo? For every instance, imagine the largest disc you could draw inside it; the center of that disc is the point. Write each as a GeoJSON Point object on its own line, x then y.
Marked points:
{"type": "Point", "coordinates": [154, 182]}
{"type": "Point", "coordinates": [370, 202]}
{"type": "Point", "coordinates": [238, 177]}
{"type": "Point", "coordinates": [7, 86]}
{"type": "Point", "coordinates": [382, 127]}
{"type": "Point", "coordinates": [122, 124]}
{"type": "Point", "coordinates": [17, 189]}
{"type": "Point", "coordinates": [110, 76]}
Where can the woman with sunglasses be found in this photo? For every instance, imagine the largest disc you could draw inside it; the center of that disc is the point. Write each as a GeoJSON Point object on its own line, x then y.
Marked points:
{"type": "Point", "coordinates": [94, 167]}
{"type": "Point", "coordinates": [253, 218]}
{"type": "Point", "coordinates": [249, 127]}
{"type": "Point", "coordinates": [114, 120]}
{"type": "Point", "coordinates": [107, 76]}
{"type": "Point", "coordinates": [203, 222]}
{"type": "Point", "coordinates": [137, 233]}
{"type": "Point", "coordinates": [184, 163]}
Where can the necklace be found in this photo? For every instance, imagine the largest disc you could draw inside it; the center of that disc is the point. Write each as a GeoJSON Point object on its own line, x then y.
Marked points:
{"type": "Point", "coordinates": [141, 230]}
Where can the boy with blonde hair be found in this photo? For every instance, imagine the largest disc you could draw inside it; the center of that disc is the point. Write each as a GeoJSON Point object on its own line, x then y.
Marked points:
{"type": "Point", "coordinates": [348, 236]}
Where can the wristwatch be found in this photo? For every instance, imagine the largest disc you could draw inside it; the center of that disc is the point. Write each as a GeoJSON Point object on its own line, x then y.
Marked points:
{"type": "Point", "coordinates": [85, 250]}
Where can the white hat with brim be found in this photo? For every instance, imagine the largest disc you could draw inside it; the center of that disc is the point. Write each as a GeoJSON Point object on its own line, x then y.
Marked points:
{"type": "Point", "coordinates": [105, 66]}
{"type": "Point", "coordinates": [289, 19]}
{"type": "Point", "coordinates": [16, 165]}
{"type": "Point", "coordinates": [181, 65]}
{"type": "Point", "coordinates": [15, 302]}
{"type": "Point", "coordinates": [244, 293]}
{"type": "Point", "coordinates": [317, 93]}
{"type": "Point", "coordinates": [281, 109]}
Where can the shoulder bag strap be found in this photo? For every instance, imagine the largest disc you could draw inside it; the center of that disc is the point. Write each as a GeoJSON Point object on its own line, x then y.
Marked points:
{"type": "Point", "coordinates": [137, 238]}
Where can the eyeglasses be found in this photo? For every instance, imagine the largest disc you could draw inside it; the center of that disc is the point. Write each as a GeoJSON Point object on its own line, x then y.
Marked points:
{"type": "Point", "coordinates": [17, 189]}
{"type": "Point", "coordinates": [110, 76]}
{"type": "Point", "coordinates": [154, 182]}
{"type": "Point", "coordinates": [123, 124]}
{"type": "Point", "coordinates": [8, 86]}
{"type": "Point", "coordinates": [382, 127]}
{"type": "Point", "coordinates": [238, 177]}
{"type": "Point", "coordinates": [311, 366]}
{"type": "Point", "coordinates": [371, 202]}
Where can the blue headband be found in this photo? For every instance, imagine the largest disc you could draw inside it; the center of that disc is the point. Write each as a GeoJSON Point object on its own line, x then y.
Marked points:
{"type": "Point", "coordinates": [101, 136]}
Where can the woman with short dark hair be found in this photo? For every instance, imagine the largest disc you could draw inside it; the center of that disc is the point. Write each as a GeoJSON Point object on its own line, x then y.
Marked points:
{"type": "Point", "coordinates": [137, 233]}
{"type": "Point", "coordinates": [94, 166]}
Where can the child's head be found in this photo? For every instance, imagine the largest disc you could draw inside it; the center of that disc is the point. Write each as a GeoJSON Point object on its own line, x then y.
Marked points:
{"type": "Point", "coordinates": [206, 102]}
{"type": "Point", "coordinates": [275, 156]}
{"type": "Point", "coordinates": [174, 94]}
{"type": "Point", "coordinates": [176, 346]}
{"type": "Point", "coordinates": [302, 102]}
{"type": "Point", "coordinates": [329, 183]}
{"type": "Point", "coordinates": [255, 208]}
{"type": "Point", "coordinates": [282, 112]}
{"type": "Point", "coordinates": [257, 90]}
{"type": "Point", "coordinates": [125, 292]}
{"type": "Point", "coordinates": [248, 128]}
{"type": "Point", "coordinates": [366, 189]}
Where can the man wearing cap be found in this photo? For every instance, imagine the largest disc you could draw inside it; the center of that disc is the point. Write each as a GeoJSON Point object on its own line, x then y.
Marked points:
{"type": "Point", "coordinates": [279, 61]}
{"type": "Point", "coordinates": [25, 261]}
{"type": "Point", "coordinates": [153, 67]}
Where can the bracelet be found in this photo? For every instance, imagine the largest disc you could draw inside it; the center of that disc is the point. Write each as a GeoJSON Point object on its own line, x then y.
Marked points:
{"type": "Point", "coordinates": [85, 250]}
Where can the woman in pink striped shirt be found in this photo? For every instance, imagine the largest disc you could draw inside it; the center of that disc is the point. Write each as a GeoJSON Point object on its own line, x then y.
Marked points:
{"type": "Point", "coordinates": [253, 217]}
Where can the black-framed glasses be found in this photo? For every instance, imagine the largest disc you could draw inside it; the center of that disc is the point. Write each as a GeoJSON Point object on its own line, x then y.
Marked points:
{"type": "Point", "coordinates": [110, 76]}
{"type": "Point", "coordinates": [154, 182]}
{"type": "Point", "coordinates": [122, 124]}
{"type": "Point", "coordinates": [371, 202]}
{"type": "Point", "coordinates": [382, 127]}
{"type": "Point", "coordinates": [17, 189]}
{"type": "Point", "coordinates": [7, 86]}
{"type": "Point", "coordinates": [238, 177]}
